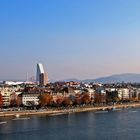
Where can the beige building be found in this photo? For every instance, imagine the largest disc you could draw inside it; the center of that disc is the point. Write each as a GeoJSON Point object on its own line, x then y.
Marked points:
{"type": "Point", "coordinates": [6, 93]}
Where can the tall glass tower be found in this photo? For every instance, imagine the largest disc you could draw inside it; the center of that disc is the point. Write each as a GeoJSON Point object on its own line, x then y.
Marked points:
{"type": "Point", "coordinates": [40, 70]}
{"type": "Point", "coordinates": [41, 76]}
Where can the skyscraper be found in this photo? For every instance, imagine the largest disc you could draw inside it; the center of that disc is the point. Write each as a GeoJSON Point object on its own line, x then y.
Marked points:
{"type": "Point", "coordinates": [41, 76]}
{"type": "Point", "coordinates": [43, 79]}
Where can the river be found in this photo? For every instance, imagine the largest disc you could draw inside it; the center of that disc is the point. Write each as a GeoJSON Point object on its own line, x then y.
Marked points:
{"type": "Point", "coordinates": [116, 125]}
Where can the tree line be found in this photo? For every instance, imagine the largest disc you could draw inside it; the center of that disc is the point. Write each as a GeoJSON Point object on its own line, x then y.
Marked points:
{"type": "Point", "coordinates": [47, 100]}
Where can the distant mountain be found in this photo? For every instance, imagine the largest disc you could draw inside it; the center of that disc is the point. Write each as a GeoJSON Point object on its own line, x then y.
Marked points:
{"type": "Point", "coordinates": [127, 77]}
{"type": "Point", "coordinates": [71, 79]}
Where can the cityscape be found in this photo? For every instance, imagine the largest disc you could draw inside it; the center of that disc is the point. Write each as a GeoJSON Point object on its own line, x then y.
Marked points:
{"type": "Point", "coordinates": [69, 70]}
{"type": "Point", "coordinates": [42, 93]}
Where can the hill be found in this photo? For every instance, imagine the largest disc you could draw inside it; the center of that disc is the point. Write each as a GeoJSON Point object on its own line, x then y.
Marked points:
{"type": "Point", "coordinates": [127, 77]}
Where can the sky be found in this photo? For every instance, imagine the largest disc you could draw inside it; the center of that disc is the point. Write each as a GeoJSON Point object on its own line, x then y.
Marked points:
{"type": "Point", "coordinates": [72, 38]}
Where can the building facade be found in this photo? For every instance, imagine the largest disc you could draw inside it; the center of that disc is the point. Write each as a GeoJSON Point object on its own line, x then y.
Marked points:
{"type": "Point", "coordinates": [30, 99]}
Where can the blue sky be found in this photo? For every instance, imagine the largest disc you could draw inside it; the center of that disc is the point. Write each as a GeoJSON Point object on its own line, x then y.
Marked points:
{"type": "Point", "coordinates": [72, 38]}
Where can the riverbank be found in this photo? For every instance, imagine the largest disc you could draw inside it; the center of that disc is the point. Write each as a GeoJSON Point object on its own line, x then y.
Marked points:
{"type": "Point", "coordinates": [65, 111]}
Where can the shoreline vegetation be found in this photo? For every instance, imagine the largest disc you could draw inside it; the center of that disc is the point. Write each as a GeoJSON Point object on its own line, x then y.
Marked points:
{"type": "Point", "coordinates": [66, 111]}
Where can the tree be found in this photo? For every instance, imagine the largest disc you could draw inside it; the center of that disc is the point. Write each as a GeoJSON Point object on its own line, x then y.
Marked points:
{"type": "Point", "coordinates": [98, 98]}
{"type": "Point", "coordinates": [66, 89]}
{"type": "Point", "coordinates": [13, 100]}
{"type": "Point", "coordinates": [134, 99]}
{"type": "Point", "coordinates": [112, 96]}
{"type": "Point", "coordinates": [19, 100]}
{"type": "Point", "coordinates": [86, 98]}
{"type": "Point", "coordinates": [1, 100]}
{"type": "Point", "coordinates": [77, 100]}
{"type": "Point", "coordinates": [59, 100]}
{"type": "Point", "coordinates": [67, 102]}
{"type": "Point", "coordinates": [45, 100]}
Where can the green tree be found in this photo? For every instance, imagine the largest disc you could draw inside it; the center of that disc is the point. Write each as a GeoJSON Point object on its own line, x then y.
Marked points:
{"type": "Point", "coordinates": [112, 96]}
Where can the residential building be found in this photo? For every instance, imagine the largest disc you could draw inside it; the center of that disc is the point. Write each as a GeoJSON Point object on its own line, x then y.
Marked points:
{"type": "Point", "coordinates": [30, 99]}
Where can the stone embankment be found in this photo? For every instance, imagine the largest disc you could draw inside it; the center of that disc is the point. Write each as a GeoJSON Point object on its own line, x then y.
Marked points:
{"type": "Point", "coordinates": [65, 111]}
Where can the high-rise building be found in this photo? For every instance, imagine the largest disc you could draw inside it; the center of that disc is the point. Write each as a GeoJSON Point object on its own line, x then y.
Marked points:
{"type": "Point", "coordinates": [43, 79]}
{"type": "Point", "coordinates": [41, 76]}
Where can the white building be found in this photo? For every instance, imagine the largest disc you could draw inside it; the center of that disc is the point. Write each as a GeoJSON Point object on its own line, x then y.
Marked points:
{"type": "Point", "coordinates": [29, 99]}
{"type": "Point", "coordinates": [123, 93]}
{"type": "Point", "coordinates": [13, 83]}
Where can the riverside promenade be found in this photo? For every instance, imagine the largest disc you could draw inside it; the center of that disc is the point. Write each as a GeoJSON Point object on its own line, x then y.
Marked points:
{"type": "Point", "coordinates": [65, 111]}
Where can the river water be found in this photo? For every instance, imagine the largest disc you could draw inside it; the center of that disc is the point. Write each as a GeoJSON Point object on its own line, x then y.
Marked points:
{"type": "Point", "coordinates": [117, 125]}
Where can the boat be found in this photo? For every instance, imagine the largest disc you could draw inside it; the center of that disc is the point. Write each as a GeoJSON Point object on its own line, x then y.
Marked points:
{"type": "Point", "coordinates": [3, 122]}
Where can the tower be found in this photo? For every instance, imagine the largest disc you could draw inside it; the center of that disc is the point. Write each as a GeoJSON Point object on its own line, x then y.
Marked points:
{"type": "Point", "coordinates": [41, 76]}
